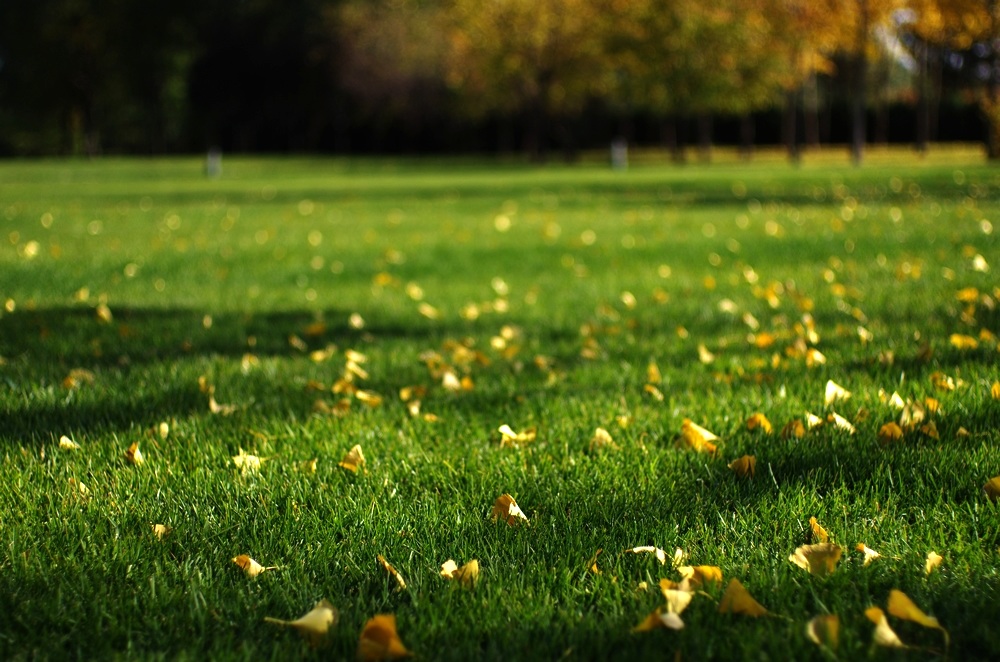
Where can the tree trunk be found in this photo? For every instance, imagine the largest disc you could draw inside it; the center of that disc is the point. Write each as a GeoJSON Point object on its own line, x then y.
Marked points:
{"type": "Point", "coordinates": [747, 133]}
{"type": "Point", "coordinates": [789, 129]}
{"type": "Point", "coordinates": [671, 139]}
{"type": "Point", "coordinates": [923, 103]}
{"type": "Point", "coordinates": [858, 128]}
{"type": "Point", "coordinates": [704, 138]}
{"type": "Point", "coordinates": [810, 112]}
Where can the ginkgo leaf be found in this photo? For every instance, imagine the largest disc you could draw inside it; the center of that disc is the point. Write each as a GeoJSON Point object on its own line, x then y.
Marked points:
{"type": "Point", "coordinates": [380, 641]}
{"type": "Point", "coordinates": [759, 421]}
{"type": "Point", "coordinates": [655, 392]}
{"type": "Point", "coordinates": [400, 583]}
{"type": "Point", "coordinates": [890, 432]}
{"type": "Point", "coordinates": [68, 444]}
{"type": "Point", "coordinates": [933, 561]}
{"type": "Point", "coordinates": [883, 635]}
{"type": "Point", "coordinates": [699, 575]}
{"type": "Point", "coordinates": [660, 554]}
{"type": "Point", "coordinates": [592, 562]}
{"type": "Point", "coordinates": [835, 392]}
{"type": "Point", "coordinates": [818, 532]}
{"type": "Point", "coordinates": [80, 491]}
{"type": "Point", "coordinates": [963, 342]}
{"type": "Point", "coordinates": [992, 488]}
{"type": "Point", "coordinates": [314, 624]}
{"type": "Point", "coordinates": [697, 437]}
{"type": "Point", "coordinates": [704, 355]}
{"type": "Point", "coordinates": [677, 600]}
{"type": "Point", "coordinates": [995, 391]}
{"type": "Point", "coordinates": [653, 375]}
{"type": "Point", "coordinates": [660, 618]}
{"type": "Point", "coordinates": [814, 357]}
{"type": "Point", "coordinates": [842, 423]}
{"type": "Point", "coordinates": [602, 439]}
{"type": "Point", "coordinates": [870, 554]}
{"type": "Point", "coordinates": [161, 531]}
{"type": "Point", "coordinates": [912, 415]}
{"type": "Point", "coordinates": [251, 567]}
{"type": "Point", "coordinates": [215, 407]}
{"type": "Point", "coordinates": [813, 421]}
{"type": "Point", "coordinates": [370, 398]}
{"type": "Point", "coordinates": [133, 455]}
{"type": "Point", "coordinates": [353, 460]}
{"type": "Point", "coordinates": [901, 606]}
{"type": "Point", "coordinates": [745, 466]}
{"type": "Point", "coordinates": [737, 600]}
{"type": "Point", "coordinates": [794, 430]}
{"type": "Point", "coordinates": [510, 438]}
{"type": "Point", "coordinates": [824, 630]}
{"type": "Point", "coordinates": [819, 559]}
{"type": "Point", "coordinates": [506, 508]}
{"type": "Point", "coordinates": [308, 466]}
{"type": "Point", "coordinates": [247, 463]}
{"type": "Point", "coordinates": [467, 575]}
{"type": "Point", "coordinates": [930, 429]}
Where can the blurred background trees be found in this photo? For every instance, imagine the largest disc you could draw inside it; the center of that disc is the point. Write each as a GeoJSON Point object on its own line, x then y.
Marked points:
{"type": "Point", "coordinates": [423, 76]}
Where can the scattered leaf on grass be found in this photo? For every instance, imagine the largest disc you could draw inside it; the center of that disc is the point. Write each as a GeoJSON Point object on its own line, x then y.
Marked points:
{"type": "Point", "coordinates": [963, 342]}
{"type": "Point", "coordinates": [745, 466]}
{"type": "Point", "coordinates": [759, 421]}
{"type": "Point", "coordinates": [133, 455]}
{"type": "Point", "coordinates": [602, 439]}
{"type": "Point", "coordinates": [314, 624]}
{"type": "Point", "coordinates": [308, 466]}
{"type": "Point", "coordinates": [468, 574]}
{"type": "Point", "coordinates": [819, 559]}
{"type": "Point", "coordinates": [890, 432]}
{"type": "Point", "coordinates": [824, 630]}
{"type": "Point", "coordinates": [353, 460]}
{"type": "Point", "coordinates": [737, 600]}
{"type": "Point", "coordinates": [835, 392]}
{"type": "Point", "coordinates": [660, 554]}
{"type": "Point", "coordinates": [870, 554]}
{"type": "Point", "coordinates": [509, 438]}
{"type": "Point", "coordinates": [247, 463]}
{"type": "Point", "coordinates": [901, 606]}
{"type": "Point", "coordinates": [161, 531]}
{"type": "Point", "coordinates": [813, 421]}
{"type": "Point", "coordinates": [704, 355]}
{"type": "Point", "coordinates": [68, 444]}
{"type": "Point", "coordinates": [697, 437]}
{"type": "Point", "coordinates": [933, 561]}
{"type": "Point", "coordinates": [400, 583]}
{"type": "Point", "coordinates": [699, 575]}
{"type": "Point", "coordinates": [992, 488]}
{"type": "Point", "coordinates": [660, 618]}
{"type": "Point", "coordinates": [842, 423]}
{"type": "Point", "coordinates": [995, 391]}
{"type": "Point", "coordinates": [80, 491]}
{"type": "Point", "coordinates": [883, 635]}
{"type": "Point", "coordinates": [818, 532]}
{"type": "Point", "coordinates": [592, 563]}
{"type": "Point", "coordinates": [380, 641]}
{"type": "Point", "coordinates": [653, 375]}
{"type": "Point", "coordinates": [506, 508]}
{"type": "Point", "coordinates": [251, 567]}
{"type": "Point", "coordinates": [793, 430]}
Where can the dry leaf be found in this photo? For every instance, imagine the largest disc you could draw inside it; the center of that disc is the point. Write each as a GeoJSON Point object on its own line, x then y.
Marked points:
{"type": "Point", "coordinates": [813, 421]}
{"type": "Point", "coordinates": [890, 432]}
{"type": "Point", "coordinates": [313, 625]}
{"type": "Point", "coordinates": [308, 466]}
{"type": "Point", "coordinates": [133, 455]}
{"type": "Point", "coordinates": [247, 463]}
{"type": "Point", "coordinates": [602, 439]}
{"type": "Point", "coordinates": [824, 630]}
{"type": "Point", "coordinates": [819, 559]}
{"type": "Point", "coordinates": [995, 391]}
{"type": "Point", "coordinates": [400, 584]}
{"type": "Point", "coordinates": [901, 606]}
{"type": "Point", "coordinates": [653, 375]}
{"type": "Point", "coordinates": [870, 554]}
{"type": "Point", "coordinates": [697, 437]}
{"type": "Point", "coordinates": [505, 507]}
{"type": "Point", "coordinates": [161, 531]}
{"type": "Point", "coordinates": [883, 635]}
{"type": "Point", "coordinates": [704, 355]}
{"type": "Point", "coordinates": [509, 438]}
{"type": "Point", "coordinates": [677, 600]}
{"type": "Point", "coordinates": [353, 460]}
{"type": "Point", "coordinates": [992, 488]}
{"type": "Point", "coordinates": [215, 407]}
{"type": "Point", "coordinates": [759, 420]}
{"type": "Point", "coordinates": [699, 575]}
{"type": "Point", "coordinates": [661, 555]}
{"type": "Point", "coordinates": [745, 466]}
{"type": "Point", "coordinates": [468, 574]}
{"type": "Point", "coordinates": [930, 429]}
{"type": "Point", "coordinates": [737, 600]}
{"type": "Point", "coordinates": [835, 392]}
{"type": "Point", "coordinates": [655, 392]}
{"type": "Point", "coordinates": [842, 423]}
{"type": "Point", "coordinates": [592, 563]}
{"type": "Point", "coordinates": [933, 561]}
{"type": "Point", "coordinates": [380, 641]}
{"type": "Point", "coordinates": [793, 430]}
{"type": "Point", "coordinates": [80, 491]}
{"type": "Point", "coordinates": [818, 532]}
{"type": "Point", "coordinates": [660, 618]}
{"type": "Point", "coordinates": [251, 567]}
{"type": "Point", "coordinates": [68, 444]}
{"type": "Point", "coordinates": [963, 342]}
{"type": "Point", "coordinates": [370, 398]}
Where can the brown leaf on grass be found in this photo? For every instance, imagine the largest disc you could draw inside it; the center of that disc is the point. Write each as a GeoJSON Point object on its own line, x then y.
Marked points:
{"type": "Point", "coordinates": [818, 532]}
{"type": "Point", "coordinates": [901, 606]}
{"type": "Point", "coordinates": [353, 460]}
{"type": "Point", "coordinates": [793, 430]}
{"type": "Point", "coordinates": [889, 433]}
{"type": "Point", "coordinates": [602, 439]}
{"type": "Point", "coordinates": [660, 554]}
{"type": "Point", "coordinates": [133, 455]}
{"type": "Point", "coordinates": [737, 600]}
{"type": "Point", "coordinates": [883, 634]}
{"type": "Point", "coordinates": [468, 574]}
{"type": "Point", "coordinates": [400, 584]}
{"type": "Point", "coordinates": [824, 630]}
{"type": "Point", "coordinates": [870, 554]}
{"type": "Point", "coordinates": [699, 575]}
{"type": "Point", "coordinates": [511, 439]}
{"type": "Point", "coordinates": [68, 444]}
{"type": "Point", "coordinates": [380, 641]}
{"type": "Point", "coordinates": [507, 509]}
{"type": "Point", "coordinates": [759, 421]}
{"type": "Point", "coordinates": [697, 437]}
{"type": "Point", "coordinates": [819, 559]}
{"type": "Point", "coordinates": [314, 624]}
{"type": "Point", "coordinates": [251, 567]}
{"type": "Point", "coordinates": [933, 561]}
{"type": "Point", "coordinates": [745, 466]}
{"type": "Point", "coordinates": [835, 392]}
{"type": "Point", "coordinates": [992, 488]}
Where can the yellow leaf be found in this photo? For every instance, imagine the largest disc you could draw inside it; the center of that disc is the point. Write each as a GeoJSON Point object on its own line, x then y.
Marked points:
{"type": "Point", "coordinates": [819, 559]}
{"type": "Point", "coordinates": [677, 600]}
{"type": "Point", "coordinates": [509, 438]}
{"type": "Point", "coordinates": [660, 619]}
{"type": "Point", "coordinates": [813, 421]}
{"type": "Point", "coordinates": [697, 437]}
{"type": "Point", "coordinates": [745, 466]}
{"type": "Point", "coordinates": [80, 491]}
{"type": "Point", "coordinates": [251, 567]}
{"type": "Point", "coordinates": [933, 561]}
{"type": "Point", "coordinates": [835, 392]}
{"type": "Point", "coordinates": [308, 466]}
{"type": "Point", "coordinates": [793, 430]}
{"type": "Point", "coordinates": [380, 641]}
{"type": "Point", "coordinates": [592, 563]}
{"type": "Point", "coordinates": [602, 439]}
{"type": "Point", "coordinates": [246, 463]}
{"type": "Point", "coordinates": [467, 575]}
{"type": "Point", "coordinates": [370, 398]}
{"type": "Point", "coordinates": [353, 460]}
{"type": "Point", "coordinates": [995, 391]}
{"type": "Point", "coordinates": [653, 375]}
{"type": "Point", "coordinates": [870, 554]}
{"type": "Point", "coordinates": [963, 342]}
{"type": "Point", "coordinates": [913, 414]}
{"type": "Point", "coordinates": [655, 392]}
{"type": "Point", "coordinates": [842, 423]}
{"type": "Point", "coordinates": [824, 630]}
{"type": "Point", "coordinates": [901, 606]}
{"type": "Point", "coordinates": [930, 429]}
{"type": "Point", "coordinates": [890, 432]}
{"type": "Point", "coordinates": [818, 532]}
{"type": "Point", "coordinates": [968, 295]}
{"type": "Point", "coordinates": [883, 635]}
{"type": "Point", "coordinates": [992, 488]}
{"type": "Point", "coordinates": [737, 600]}
{"type": "Point", "coordinates": [759, 420]}
{"type": "Point", "coordinates": [161, 531]}
{"type": "Point", "coordinates": [400, 584]}
{"type": "Point", "coordinates": [699, 575]}
{"type": "Point", "coordinates": [133, 455]}
{"type": "Point", "coordinates": [814, 357]}
{"type": "Point", "coordinates": [704, 355]}
{"type": "Point", "coordinates": [314, 624]}
{"type": "Point", "coordinates": [68, 444]}
{"type": "Point", "coordinates": [506, 508]}
{"type": "Point", "coordinates": [660, 554]}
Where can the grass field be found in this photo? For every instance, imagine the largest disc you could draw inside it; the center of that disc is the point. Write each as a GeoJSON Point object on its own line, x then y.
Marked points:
{"type": "Point", "coordinates": [136, 291]}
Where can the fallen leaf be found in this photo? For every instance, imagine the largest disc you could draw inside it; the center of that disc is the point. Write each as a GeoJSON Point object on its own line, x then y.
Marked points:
{"type": "Point", "coordinates": [963, 342]}
{"type": "Point", "coordinates": [699, 575]}
{"type": "Point", "coordinates": [930, 429]}
{"type": "Point", "coordinates": [660, 618]}
{"type": "Point", "coordinates": [995, 391]}
{"type": "Point", "coordinates": [793, 430]}
{"type": "Point", "coordinates": [677, 600]}
{"type": "Point", "coordinates": [890, 432]}
{"type": "Point", "coordinates": [819, 559]}
{"type": "Point", "coordinates": [901, 606]}
{"type": "Point", "coordinates": [870, 554]}
{"type": "Point", "coordinates": [251, 567]}
{"type": "Point", "coordinates": [509, 438]}
{"type": "Point", "coordinates": [697, 437]}
{"type": "Point", "coordinates": [655, 392]}
{"type": "Point", "coordinates": [818, 532]}
{"type": "Point", "coordinates": [704, 355]}
{"type": "Point", "coordinates": [883, 635]}
{"type": "Point", "coordinates": [653, 375]}
{"type": "Point", "coordinates": [933, 561]}
{"type": "Point", "coordinates": [992, 488]}
{"type": "Point", "coordinates": [505, 507]}
{"type": "Point", "coordinates": [842, 423]}
{"type": "Point", "coordinates": [737, 600]}
{"type": "Point", "coordinates": [400, 584]}
{"type": "Point", "coordinates": [133, 455]}
{"type": "Point", "coordinates": [353, 460]}
{"type": "Point", "coordinates": [824, 630]}
{"type": "Point", "coordinates": [247, 463]}
{"type": "Point", "coordinates": [760, 421]}
{"type": "Point", "coordinates": [592, 563]}
{"type": "Point", "coordinates": [660, 554]}
{"type": "Point", "coordinates": [161, 531]}
{"type": "Point", "coordinates": [314, 624]}
{"type": "Point", "coordinates": [380, 641]}
{"type": "Point", "coordinates": [602, 439]}
{"type": "Point", "coordinates": [68, 444]}
{"type": "Point", "coordinates": [308, 466]}
{"type": "Point", "coordinates": [370, 398]}
{"type": "Point", "coordinates": [468, 574]}
{"type": "Point", "coordinates": [835, 392]}
{"type": "Point", "coordinates": [814, 357]}
{"type": "Point", "coordinates": [80, 491]}
{"type": "Point", "coordinates": [745, 466]}
{"type": "Point", "coordinates": [813, 421]}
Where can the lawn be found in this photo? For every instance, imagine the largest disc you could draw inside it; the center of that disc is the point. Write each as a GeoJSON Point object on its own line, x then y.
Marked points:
{"type": "Point", "coordinates": [295, 308]}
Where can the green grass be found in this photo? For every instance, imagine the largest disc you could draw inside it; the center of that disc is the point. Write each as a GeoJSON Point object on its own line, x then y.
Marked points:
{"type": "Point", "coordinates": [213, 277]}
